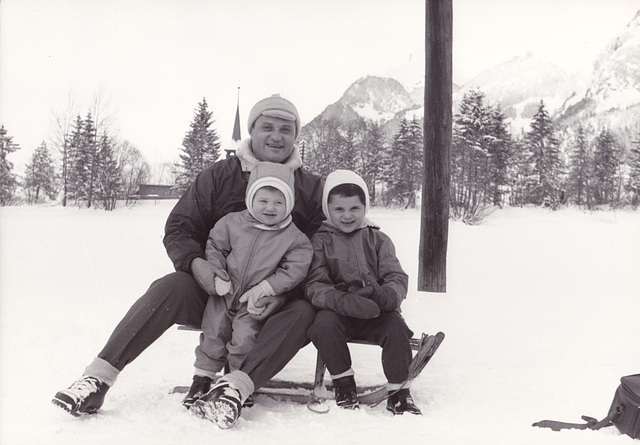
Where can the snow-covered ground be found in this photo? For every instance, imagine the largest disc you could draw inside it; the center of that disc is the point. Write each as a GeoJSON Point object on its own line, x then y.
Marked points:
{"type": "Point", "coordinates": [542, 317]}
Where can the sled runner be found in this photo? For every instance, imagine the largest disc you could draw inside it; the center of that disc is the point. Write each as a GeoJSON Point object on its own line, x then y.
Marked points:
{"type": "Point", "coordinates": [314, 394]}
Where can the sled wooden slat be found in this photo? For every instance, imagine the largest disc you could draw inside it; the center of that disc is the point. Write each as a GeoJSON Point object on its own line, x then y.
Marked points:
{"type": "Point", "coordinates": [318, 388]}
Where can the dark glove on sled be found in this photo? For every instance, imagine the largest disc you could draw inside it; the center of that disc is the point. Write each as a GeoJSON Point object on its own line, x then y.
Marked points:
{"type": "Point", "coordinates": [353, 303]}
{"type": "Point", "coordinates": [384, 296]}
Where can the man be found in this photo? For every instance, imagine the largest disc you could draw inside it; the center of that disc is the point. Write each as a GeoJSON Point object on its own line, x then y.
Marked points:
{"type": "Point", "coordinates": [180, 297]}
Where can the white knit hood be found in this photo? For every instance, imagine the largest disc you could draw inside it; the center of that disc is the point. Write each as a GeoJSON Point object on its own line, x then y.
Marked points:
{"type": "Point", "coordinates": [338, 177]}
{"type": "Point", "coordinates": [275, 175]}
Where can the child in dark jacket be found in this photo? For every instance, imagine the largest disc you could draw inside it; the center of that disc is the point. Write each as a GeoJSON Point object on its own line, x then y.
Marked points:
{"type": "Point", "coordinates": [356, 281]}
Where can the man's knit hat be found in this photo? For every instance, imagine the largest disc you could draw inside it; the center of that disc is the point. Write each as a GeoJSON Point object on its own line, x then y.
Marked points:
{"type": "Point", "coordinates": [275, 175]}
{"type": "Point", "coordinates": [274, 106]}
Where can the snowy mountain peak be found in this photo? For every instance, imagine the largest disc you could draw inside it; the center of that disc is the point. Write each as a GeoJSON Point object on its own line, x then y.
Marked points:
{"type": "Point", "coordinates": [612, 98]}
{"type": "Point", "coordinates": [377, 98]}
{"type": "Point", "coordinates": [608, 94]}
{"type": "Point", "coordinates": [515, 81]}
{"type": "Point", "coordinates": [616, 81]}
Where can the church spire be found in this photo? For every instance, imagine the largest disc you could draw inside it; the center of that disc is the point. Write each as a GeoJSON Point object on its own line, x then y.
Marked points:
{"type": "Point", "coordinates": [236, 127]}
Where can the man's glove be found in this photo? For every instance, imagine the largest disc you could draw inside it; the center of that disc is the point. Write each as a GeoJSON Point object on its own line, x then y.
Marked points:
{"type": "Point", "coordinates": [205, 273]}
{"type": "Point", "coordinates": [385, 297]}
{"type": "Point", "coordinates": [251, 296]}
{"type": "Point", "coordinates": [353, 303]}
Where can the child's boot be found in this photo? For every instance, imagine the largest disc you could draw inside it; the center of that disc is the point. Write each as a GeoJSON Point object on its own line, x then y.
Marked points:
{"type": "Point", "coordinates": [200, 386]}
{"type": "Point", "coordinates": [346, 394]}
{"type": "Point", "coordinates": [401, 402]}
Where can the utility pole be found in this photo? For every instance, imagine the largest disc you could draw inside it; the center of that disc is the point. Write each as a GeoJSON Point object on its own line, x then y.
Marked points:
{"type": "Point", "coordinates": [434, 230]}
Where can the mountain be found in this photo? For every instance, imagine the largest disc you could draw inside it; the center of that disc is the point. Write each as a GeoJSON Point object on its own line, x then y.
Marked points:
{"type": "Point", "coordinates": [612, 97]}
{"type": "Point", "coordinates": [606, 95]}
{"type": "Point", "coordinates": [380, 99]}
{"type": "Point", "coordinates": [519, 85]}
{"type": "Point", "coordinates": [375, 98]}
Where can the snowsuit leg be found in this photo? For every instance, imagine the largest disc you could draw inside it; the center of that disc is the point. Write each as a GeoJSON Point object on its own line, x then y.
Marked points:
{"type": "Point", "coordinates": [281, 337]}
{"type": "Point", "coordinates": [175, 298]}
{"type": "Point", "coordinates": [243, 338]}
{"type": "Point", "coordinates": [211, 353]}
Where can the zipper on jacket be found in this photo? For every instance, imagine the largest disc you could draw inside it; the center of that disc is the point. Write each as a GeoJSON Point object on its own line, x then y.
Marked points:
{"type": "Point", "coordinates": [243, 283]}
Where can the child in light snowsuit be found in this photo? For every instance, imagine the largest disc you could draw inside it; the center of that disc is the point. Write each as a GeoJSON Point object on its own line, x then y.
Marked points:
{"type": "Point", "coordinates": [356, 281]}
{"type": "Point", "coordinates": [263, 253]}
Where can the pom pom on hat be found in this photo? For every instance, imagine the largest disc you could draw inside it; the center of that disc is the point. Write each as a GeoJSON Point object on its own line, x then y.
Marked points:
{"type": "Point", "coordinates": [274, 106]}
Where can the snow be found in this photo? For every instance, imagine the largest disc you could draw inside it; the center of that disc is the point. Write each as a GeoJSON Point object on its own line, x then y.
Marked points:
{"type": "Point", "coordinates": [541, 317]}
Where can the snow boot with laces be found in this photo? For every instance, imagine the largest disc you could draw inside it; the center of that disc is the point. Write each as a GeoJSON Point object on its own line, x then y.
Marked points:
{"type": "Point", "coordinates": [346, 393]}
{"type": "Point", "coordinates": [84, 396]}
{"type": "Point", "coordinates": [401, 402]}
{"type": "Point", "coordinates": [221, 405]}
{"type": "Point", "coordinates": [200, 386]}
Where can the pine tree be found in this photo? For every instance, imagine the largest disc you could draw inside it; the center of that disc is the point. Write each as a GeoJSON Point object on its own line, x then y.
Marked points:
{"type": "Point", "coordinates": [547, 163]}
{"type": "Point", "coordinates": [373, 156]}
{"type": "Point", "coordinates": [75, 167]}
{"type": "Point", "coordinates": [580, 169]}
{"type": "Point", "coordinates": [406, 169]}
{"type": "Point", "coordinates": [8, 181]}
{"type": "Point", "coordinates": [605, 167]}
{"type": "Point", "coordinates": [108, 183]}
{"type": "Point", "coordinates": [326, 147]}
{"type": "Point", "coordinates": [40, 175]}
{"type": "Point", "coordinates": [200, 147]}
{"type": "Point", "coordinates": [499, 150]}
{"type": "Point", "coordinates": [634, 173]}
{"type": "Point", "coordinates": [90, 157]}
{"type": "Point", "coordinates": [479, 157]}
{"type": "Point", "coordinates": [415, 160]}
{"type": "Point", "coordinates": [82, 152]}
{"type": "Point", "coordinates": [519, 172]}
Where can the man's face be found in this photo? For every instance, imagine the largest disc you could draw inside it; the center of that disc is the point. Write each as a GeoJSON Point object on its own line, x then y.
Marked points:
{"type": "Point", "coordinates": [269, 206]}
{"type": "Point", "coordinates": [272, 139]}
{"type": "Point", "coordinates": [347, 214]}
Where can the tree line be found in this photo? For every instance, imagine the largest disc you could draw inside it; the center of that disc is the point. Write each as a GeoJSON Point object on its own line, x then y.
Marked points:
{"type": "Point", "coordinates": [490, 167]}
{"type": "Point", "coordinates": [89, 166]}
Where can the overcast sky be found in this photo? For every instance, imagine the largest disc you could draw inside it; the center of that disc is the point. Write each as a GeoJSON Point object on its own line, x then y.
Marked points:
{"type": "Point", "coordinates": [153, 60]}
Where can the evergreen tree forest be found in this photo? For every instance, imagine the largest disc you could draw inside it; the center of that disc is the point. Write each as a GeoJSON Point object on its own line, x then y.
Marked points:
{"type": "Point", "coordinates": [96, 169]}
{"type": "Point", "coordinates": [490, 167]}
{"type": "Point", "coordinates": [392, 170]}
{"type": "Point", "coordinates": [86, 165]}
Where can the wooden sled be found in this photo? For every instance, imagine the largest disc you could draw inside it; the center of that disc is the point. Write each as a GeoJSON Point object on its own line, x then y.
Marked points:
{"type": "Point", "coordinates": [314, 394]}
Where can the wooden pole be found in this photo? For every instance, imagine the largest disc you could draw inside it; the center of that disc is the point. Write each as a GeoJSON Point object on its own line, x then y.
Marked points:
{"type": "Point", "coordinates": [434, 230]}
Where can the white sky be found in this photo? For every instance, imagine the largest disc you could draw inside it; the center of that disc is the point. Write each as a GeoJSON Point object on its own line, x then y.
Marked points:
{"type": "Point", "coordinates": [154, 60]}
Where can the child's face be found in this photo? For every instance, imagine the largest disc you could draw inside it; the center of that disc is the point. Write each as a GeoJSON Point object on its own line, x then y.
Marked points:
{"type": "Point", "coordinates": [347, 214]}
{"type": "Point", "coordinates": [269, 206]}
